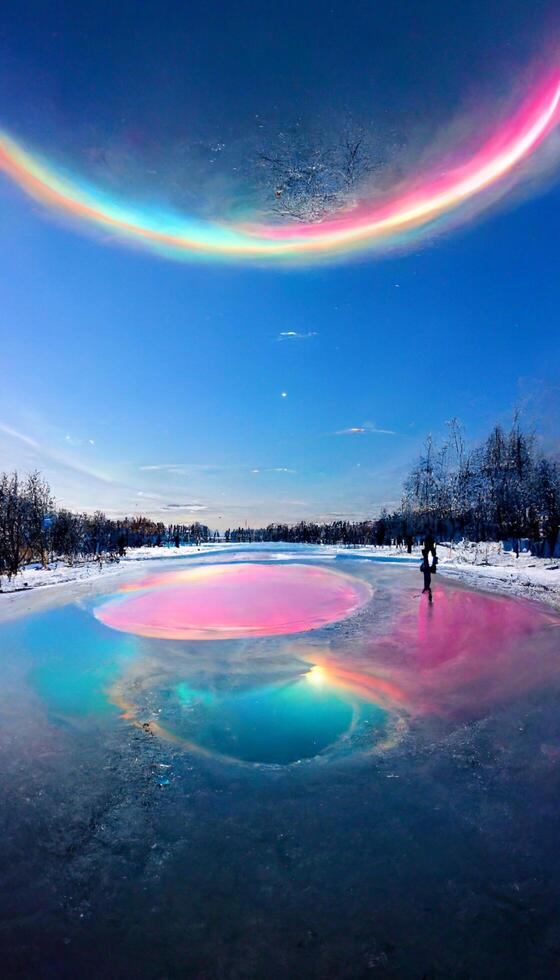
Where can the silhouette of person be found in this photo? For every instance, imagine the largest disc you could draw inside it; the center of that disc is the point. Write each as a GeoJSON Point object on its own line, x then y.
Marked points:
{"type": "Point", "coordinates": [430, 547]}
{"type": "Point", "coordinates": [429, 543]}
{"type": "Point", "coordinates": [427, 572]}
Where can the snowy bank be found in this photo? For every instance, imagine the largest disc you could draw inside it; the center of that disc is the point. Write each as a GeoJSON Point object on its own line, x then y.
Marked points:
{"type": "Point", "coordinates": [488, 566]}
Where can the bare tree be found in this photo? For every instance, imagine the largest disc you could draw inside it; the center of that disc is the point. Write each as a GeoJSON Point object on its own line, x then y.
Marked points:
{"type": "Point", "coordinates": [307, 177]}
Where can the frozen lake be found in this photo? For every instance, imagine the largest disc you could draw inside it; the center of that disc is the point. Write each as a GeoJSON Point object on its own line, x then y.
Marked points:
{"type": "Point", "coordinates": [271, 764]}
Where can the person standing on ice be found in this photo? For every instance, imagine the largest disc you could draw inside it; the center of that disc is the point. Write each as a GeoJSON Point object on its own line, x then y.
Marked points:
{"type": "Point", "coordinates": [427, 572]}
{"type": "Point", "coordinates": [430, 547]}
{"type": "Point", "coordinates": [430, 543]}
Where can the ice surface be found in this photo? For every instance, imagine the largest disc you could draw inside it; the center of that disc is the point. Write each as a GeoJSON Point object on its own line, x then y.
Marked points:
{"type": "Point", "coordinates": [376, 797]}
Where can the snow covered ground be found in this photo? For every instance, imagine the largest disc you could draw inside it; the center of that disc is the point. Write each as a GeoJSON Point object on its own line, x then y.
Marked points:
{"type": "Point", "coordinates": [488, 566]}
{"type": "Point", "coordinates": [484, 565]}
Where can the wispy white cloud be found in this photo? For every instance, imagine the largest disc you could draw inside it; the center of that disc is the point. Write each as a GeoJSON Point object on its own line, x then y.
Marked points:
{"type": "Point", "coordinates": [7, 429]}
{"type": "Point", "coordinates": [157, 467]}
{"type": "Point", "coordinates": [53, 455]}
{"type": "Point", "coordinates": [180, 468]}
{"type": "Point", "coordinates": [74, 441]}
{"type": "Point", "coordinates": [367, 428]}
{"type": "Point", "coordinates": [272, 469]}
{"type": "Point", "coordinates": [355, 430]}
{"type": "Point", "coordinates": [191, 508]}
{"type": "Point", "coordinates": [296, 335]}
{"type": "Point", "coordinates": [73, 481]}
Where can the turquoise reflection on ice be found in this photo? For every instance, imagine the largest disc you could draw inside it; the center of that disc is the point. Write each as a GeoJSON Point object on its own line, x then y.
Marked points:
{"type": "Point", "coordinates": [188, 695]}
{"type": "Point", "coordinates": [274, 724]}
{"type": "Point", "coordinates": [75, 661]}
{"type": "Point", "coordinates": [72, 663]}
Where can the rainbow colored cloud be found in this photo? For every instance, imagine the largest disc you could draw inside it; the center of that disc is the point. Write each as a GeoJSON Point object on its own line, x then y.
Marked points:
{"type": "Point", "coordinates": [412, 210]}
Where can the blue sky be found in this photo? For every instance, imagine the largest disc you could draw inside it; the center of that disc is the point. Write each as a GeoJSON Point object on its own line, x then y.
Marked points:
{"type": "Point", "coordinates": [140, 384]}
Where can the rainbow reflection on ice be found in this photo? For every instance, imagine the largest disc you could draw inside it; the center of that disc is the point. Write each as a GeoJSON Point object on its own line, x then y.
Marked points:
{"type": "Point", "coordinates": [347, 690]}
{"type": "Point", "coordinates": [218, 602]}
{"type": "Point", "coordinates": [331, 659]}
{"type": "Point", "coordinates": [406, 758]}
{"type": "Point", "coordinates": [463, 655]}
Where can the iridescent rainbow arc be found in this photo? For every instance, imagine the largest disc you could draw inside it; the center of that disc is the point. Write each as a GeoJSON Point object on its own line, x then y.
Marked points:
{"type": "Point", "coordinates": [404, 215]}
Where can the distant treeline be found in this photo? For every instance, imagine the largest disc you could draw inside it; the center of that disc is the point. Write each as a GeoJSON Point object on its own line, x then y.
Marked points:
{"type": "Point", "coordinates": [32, 528]}
{"type": "Point", "coordinates": [502, 490]}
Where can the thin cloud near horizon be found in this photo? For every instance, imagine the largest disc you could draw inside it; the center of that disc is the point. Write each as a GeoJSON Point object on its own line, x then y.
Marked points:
{"type": "Point", "coordinates": [272, 469]}
{"type": "Point", "coordinates": [180, 468]}
{"type": "Point", "coordinates": [367, 428]}
{"type": "Point", "coordinates": [190, 507]}
{"type": "Point", "coordinates": [54, 456]}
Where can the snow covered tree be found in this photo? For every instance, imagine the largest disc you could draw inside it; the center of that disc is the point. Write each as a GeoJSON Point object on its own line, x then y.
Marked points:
{"type": "Point", "coordinates": [38, 516]}
{"type": "Point", "coordinates": [308, 176]}
{"type": "Point", "coordinates": [12, 524]}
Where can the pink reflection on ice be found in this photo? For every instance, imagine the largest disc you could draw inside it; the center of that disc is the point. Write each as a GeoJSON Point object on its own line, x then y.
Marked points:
{"type": "Point", "coordinates": [476, 649]}
{"type": "Point", "coordinates": [231, 601]}
{"type": "Point", "coordinates": [458, 657]}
